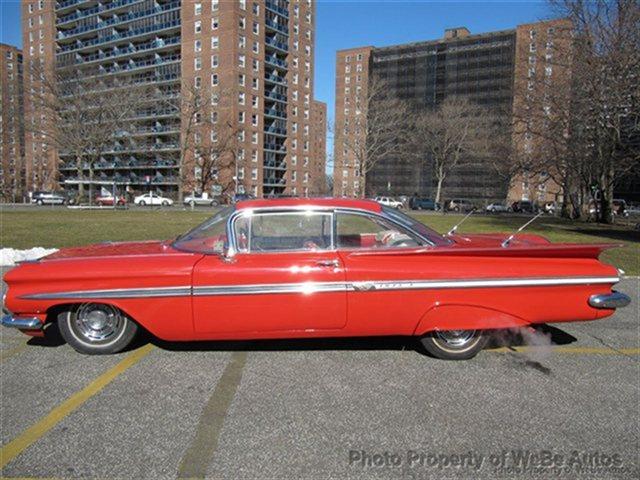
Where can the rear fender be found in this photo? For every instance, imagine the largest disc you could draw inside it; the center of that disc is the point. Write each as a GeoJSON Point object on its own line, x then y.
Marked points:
{"type": "Point", "coordinates": [466, 317]}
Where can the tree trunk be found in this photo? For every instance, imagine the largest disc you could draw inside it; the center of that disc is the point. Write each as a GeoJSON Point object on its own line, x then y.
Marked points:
{"type": "Point", "coordinates": [606, 197]}
{"type": "Point", "coordinates": [79, 171]}
{"type": "Point", "coordinates": [439, 191]}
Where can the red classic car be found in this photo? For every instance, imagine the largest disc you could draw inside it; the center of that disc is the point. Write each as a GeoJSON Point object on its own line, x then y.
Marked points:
{"type": "Point", "coordinates": [104, 200]}
{"type": "Point", "coordinates": [311, 268]}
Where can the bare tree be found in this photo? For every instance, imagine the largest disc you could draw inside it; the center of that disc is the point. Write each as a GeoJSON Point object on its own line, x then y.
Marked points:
{"type": "Point", "coordinates": [451, 134]}
{"type": "Point", "coordinates": [81, 116]}
{"type": "Point", "coordinates": [380, 130]}
{"type": "Point", "coordinates": [597, 139]}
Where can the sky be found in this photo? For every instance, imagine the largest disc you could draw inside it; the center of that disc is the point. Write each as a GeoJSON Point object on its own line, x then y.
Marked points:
{"type": "Point", "coordinates": [348, 24]}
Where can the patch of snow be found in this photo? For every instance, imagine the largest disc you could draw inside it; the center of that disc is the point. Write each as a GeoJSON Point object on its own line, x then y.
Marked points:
{"type": "Point", "coordinates": [11, 256]}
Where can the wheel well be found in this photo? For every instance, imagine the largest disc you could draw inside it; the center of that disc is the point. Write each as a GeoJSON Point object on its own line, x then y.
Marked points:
{"type": "Point", "coordinates": [54, 311]}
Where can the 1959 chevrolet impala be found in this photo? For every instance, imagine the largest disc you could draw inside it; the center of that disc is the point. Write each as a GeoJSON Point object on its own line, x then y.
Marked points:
{"type": "Point", "coordinates": [293, 268]}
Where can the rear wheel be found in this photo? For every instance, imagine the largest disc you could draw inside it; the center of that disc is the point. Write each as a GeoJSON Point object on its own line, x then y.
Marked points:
{"type": "Point", "coordinates": [142, 203]}
{"type": "Point", "coordinates": [454, 344]}
{"type": "Point", "coordinates": [96, 328]}
{"type": "Point", "coordinates": [165, 203]}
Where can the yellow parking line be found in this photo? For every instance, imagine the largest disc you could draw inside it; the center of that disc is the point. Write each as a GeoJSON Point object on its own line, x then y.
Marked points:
{"type": "Point", "coordinates": [37, 430]}
{"type": "Point", "coordinates": [571, 350]}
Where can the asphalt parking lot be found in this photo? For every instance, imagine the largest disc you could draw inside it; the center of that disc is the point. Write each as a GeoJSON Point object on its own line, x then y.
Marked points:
{"type": "Point", "coordinates": [362, 408]}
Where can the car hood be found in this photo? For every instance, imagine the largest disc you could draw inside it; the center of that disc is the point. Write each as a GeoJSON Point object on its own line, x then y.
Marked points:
{"type": "Point", "coordinates": [112, 249]}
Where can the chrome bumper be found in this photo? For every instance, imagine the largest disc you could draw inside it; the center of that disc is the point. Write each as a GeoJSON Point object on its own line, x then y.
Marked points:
{"type": "Point", "coordinates": [609, 300]}
{"type": "Point", "coordinates": [22, 323]}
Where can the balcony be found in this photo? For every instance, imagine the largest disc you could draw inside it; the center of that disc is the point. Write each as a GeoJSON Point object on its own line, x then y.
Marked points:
{"type": "Point", "coordinates": [277, 7]}
{"type": "Point", "coordinates": [275, 148]}
{"type": "Point", "coordinates": [272, 112]}
{"type": "Point", "coordinates": [173, 24]}
{"type": "Point", "coordinates": [116, 53]}
{"type": "Point", "coordinates": [274, 43]}
{"type": "Point", "coordinates": [276, 62]}
{"type": "Point", "coordinates": [115, 20]}
{"type": "Point", "coordinates": [275, 79]}
{"type": "Point", "coordinates": [274, 182]}
{"type": "Point", "coordinates": [276, 131]}
{"type": "Point", "coordinates": [100, 8]}
{"type": "Point", "coordinates": [276, 96]}
{"type": "Point", "coordinates": [278, 27]}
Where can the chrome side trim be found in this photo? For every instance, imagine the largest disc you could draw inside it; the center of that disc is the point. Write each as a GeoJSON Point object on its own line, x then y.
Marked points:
{"type": "Point", "coordinates": [23, 323]}
{"type": "Point", "coordinates": [609, 300]}
{"type": "Point", "coordinates": [481, 283]}
{"type": "Point", "coordinates": [304, 288]}
{"type": "Point", "coordinates": [320, 287]}
{"type": "Point", "coordinates": [116, 293]}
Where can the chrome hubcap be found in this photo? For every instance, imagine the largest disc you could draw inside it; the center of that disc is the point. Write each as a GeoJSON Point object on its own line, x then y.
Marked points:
{"type": "Point", "coordinates": [455, 338]}
{"type": "Point", "coordinates": [98, 323]}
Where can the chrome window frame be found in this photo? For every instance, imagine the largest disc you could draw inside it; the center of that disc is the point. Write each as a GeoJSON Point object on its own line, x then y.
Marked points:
{"type": "Point", "coordinates": [267, 211]}
{"type": "Point", "coordinates": [233, 241]}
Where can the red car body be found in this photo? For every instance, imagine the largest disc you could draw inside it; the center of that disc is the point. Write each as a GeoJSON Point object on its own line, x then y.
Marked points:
{"type": "Point", "coordinates": [469, 282]}
{"type": "Point", "coordinates": [109, 200]}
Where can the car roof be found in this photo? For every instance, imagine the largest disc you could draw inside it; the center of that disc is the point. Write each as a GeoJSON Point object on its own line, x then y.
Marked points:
{"type": "Point", "coordinates": [310, 202]}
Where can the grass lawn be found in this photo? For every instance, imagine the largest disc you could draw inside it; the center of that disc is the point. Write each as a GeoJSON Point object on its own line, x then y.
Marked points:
{"type": "Point", "coordinates": [64, 228]}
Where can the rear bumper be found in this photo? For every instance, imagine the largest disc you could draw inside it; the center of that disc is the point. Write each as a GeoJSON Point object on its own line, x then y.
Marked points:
{"type": "Point", "coordinates": [21, 323]}
{"type": "Point", "coordinates": [609, 300]}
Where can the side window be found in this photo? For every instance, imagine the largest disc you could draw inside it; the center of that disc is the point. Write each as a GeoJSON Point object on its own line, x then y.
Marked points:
{"type": "Point", "coordinates": [282, 232]}
{"type": "Point", "coordinates": [363, 231]}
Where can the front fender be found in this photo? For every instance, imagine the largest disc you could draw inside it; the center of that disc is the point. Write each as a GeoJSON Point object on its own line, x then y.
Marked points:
{"type": "Point", "coordinates": [466, 317]}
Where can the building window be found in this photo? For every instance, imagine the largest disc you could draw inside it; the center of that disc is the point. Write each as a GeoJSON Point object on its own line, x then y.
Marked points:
{"type": "Point", "coordinates": [254, 156]}
{"type": "Point", "coordinates": [242, 42]}
{"type": "Point", "coordinates": [214, 79]}
{"type": "Point", "coordinates": [241, 79]}
{"type": "Point", "coordinates": [214, 61]}
{"type": "Point", "coordinates": [215, 42]}
{"type": "Point", "coordinates": [256, 28]}
{"type": "Point", "coordinates": [215, 4]}
{"type": "Point", "coordinates": [241, 61]}
{"type": "Point", "coordinates": [241, 98]}
{"type": "Point", "coordinates": [197, 45]}
{"type": "Point", "coordinates": [197, 63]}
{"type": "Point", "coordinates": [197, 7]}
{"type": "Point", "coordinates": [254, 173]}
{"type": "Point", "coordinates": [198, 26]}
{"type": "Point", "coordinates": [215, 23]}
{"type": "Point", "coordinates": [548, 71]}
{"type": "Point", "coordinates": [256, 47]}
{"type": "Point", "coordinates": [242, 23]}
{"type": "Point", "coordinates": [254, 120]}
{"type": "Point", "coordinates": [240, 117]}
{"type": "Point", "coordinates": [254, 101]}
{"type": "Point", "coordinates": [254, 138]}
{"type": "Point", "coordinates": [197, 82]}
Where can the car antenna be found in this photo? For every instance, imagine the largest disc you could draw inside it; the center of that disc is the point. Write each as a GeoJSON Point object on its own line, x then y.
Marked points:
{"type": "Point", "coordinates": [507, 241]}
{"type": "Point", "coordinates": [455, 227]}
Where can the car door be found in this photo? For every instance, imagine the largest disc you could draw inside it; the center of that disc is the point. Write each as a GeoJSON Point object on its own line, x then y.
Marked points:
{"type": "Point", "coordinates": [377, 260]}
{"type": "Point", "coordinates": [285, 277]}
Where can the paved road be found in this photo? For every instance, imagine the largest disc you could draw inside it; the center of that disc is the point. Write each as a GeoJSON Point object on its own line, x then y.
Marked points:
{"type": "Point", "coordinates": [341, 409]}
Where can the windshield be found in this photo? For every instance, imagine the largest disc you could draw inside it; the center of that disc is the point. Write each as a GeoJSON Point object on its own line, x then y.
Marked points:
{"type": "Point", "coordinates": [428, 233]}
{"type": "Point", "coordinates": [208, 237]}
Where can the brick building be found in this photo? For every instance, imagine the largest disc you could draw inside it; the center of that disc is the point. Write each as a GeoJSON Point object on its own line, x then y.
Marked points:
{"type": "Point", "coordinates": [486, 68]}
{"type": "Point", "coordinates": [251, 62]}
{"type": "Point", "coordinates": [11, 124]}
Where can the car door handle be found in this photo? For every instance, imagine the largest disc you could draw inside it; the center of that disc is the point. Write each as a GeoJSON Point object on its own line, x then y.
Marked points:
{"type": "Point", "coordinates": [328, 263]}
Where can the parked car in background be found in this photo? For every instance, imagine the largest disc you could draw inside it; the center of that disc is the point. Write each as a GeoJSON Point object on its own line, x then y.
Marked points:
{"type": "Point", "coordinates": [152, 199]}
{"type": "Point", "coordinates": [389, 202]}
{"type": "Point", "coordinates": [497, 208]}
{"type": "Point", "coordinates": [48, 198]}
{"type": "Point", "coordinates": [304, 268]}
{"type": "Point", "coordinates": [523, 206]}
{"type": "Point", "coordinates": [460, 205]}
{"type": "Point", "coordinates": [239, 197]}
{"type": "Point", "coordinates": [110, 200]}
{"type": "Point", "coordinates": [418, 203]}
{"type": "Point", "coordinates": [201, 199]}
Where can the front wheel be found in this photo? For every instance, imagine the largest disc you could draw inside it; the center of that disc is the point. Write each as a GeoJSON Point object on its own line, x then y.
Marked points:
{"type": "Point", "coordinates": [165, 203]}
{"type": "Point", "coordinates": [96, 329]}
{"type": "Point", "coordinates": [142, 203]}
{"type": "Point", "coordinates": [454, 344]}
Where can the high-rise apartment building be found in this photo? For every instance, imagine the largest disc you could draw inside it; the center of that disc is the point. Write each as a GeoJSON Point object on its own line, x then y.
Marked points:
{"type": "Point", "coordinates": [11, 124]}
{"type": "Point", "coordinates": [318, 148]}
{"type": "Point", "coordinates": [238, 73]}
{"type": "Point", "coordinates": [481, 67]}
